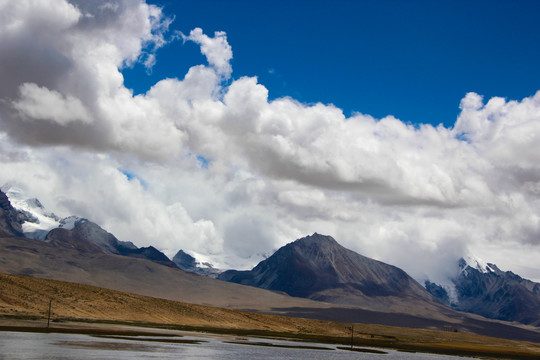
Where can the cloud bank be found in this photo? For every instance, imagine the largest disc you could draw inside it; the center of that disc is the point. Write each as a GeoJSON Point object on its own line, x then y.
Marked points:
{"type": "Point", "coordinates": [209, 165]}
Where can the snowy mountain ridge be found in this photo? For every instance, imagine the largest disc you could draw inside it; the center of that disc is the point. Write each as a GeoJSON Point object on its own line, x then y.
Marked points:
{"type": "Point", "coordinates": [482, 288]}
{"type": "Point", "coordinates": [477, 264]}
{"type": "Point", "coordinates": [445, 288]}
{"type": "Point", "coordinates": [39, 221]}
{"type": "Point", "coordinates": [40, 224]}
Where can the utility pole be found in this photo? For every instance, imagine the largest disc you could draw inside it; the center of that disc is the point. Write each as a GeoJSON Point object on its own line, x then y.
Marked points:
{"type": "Point", "coordinates": [49, 318]}
{"type": "Point", "coordinates": [352, 335]}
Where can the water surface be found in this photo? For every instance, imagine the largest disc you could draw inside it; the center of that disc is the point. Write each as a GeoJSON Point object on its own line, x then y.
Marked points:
{"type": "Point", "coordinates": [34, 346]}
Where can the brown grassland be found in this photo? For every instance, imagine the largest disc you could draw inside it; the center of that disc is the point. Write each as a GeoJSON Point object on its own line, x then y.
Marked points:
{"type": "Point", "coordinates": [24, 304]}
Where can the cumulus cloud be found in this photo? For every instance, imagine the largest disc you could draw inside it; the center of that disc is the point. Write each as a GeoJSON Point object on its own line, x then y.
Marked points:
{"type": "Point", "coordinates": [40, 103]}
{"type": "Point", "coordinates": [61, 63]}
{"type": "Point", "coordinates": [273, 171]}
{"type": "Point", "coordinates": [505, 131]}
{"type": "Point", "coordinates": [217, 50]}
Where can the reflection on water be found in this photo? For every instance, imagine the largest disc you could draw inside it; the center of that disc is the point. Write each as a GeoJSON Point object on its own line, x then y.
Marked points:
{"type": "Point", "coordinates": [30, 346]}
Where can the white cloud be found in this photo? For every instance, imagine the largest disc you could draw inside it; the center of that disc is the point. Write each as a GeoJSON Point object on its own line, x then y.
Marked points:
{"type": "Point", "coordinates": [217, 50]}
{"type": "Point", "coordinates": [40, 103]}
{"type": "Point", "coordinates": [506, 132]}
{"type": "Point", "coordinates": [61, 63]}
{"type": "Point", "coordinates": [277, 170]}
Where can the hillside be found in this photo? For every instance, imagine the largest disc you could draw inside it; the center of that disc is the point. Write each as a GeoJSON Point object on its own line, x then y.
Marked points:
{"type": "Point", "coordinates": [36, 258]}
{"type": "Point", "coordinates": [26, 297]}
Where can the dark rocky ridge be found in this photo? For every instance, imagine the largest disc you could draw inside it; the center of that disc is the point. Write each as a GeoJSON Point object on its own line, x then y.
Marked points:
{"type": "Point", "coordinates": [10, 219]}
{"type": "Point", "coordinates": [494, 294]}
{"type": "Point", "coordinates": [87, 231]}
{"type": "Point", "coordinates": [185, 261]}
{"type": "Point", "coordinates": [90, 237]}
{"type": "Point", "coordinates": [85, 236]}
{"type": "Point", "coordinates": [318, 268]}
{"type": "Point", "coordinates": [149, 253]}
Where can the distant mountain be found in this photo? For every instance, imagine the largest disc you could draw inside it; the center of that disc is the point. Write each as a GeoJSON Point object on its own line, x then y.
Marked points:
{"type": "Point", "coordinates": [29, 218]}
{"type": "Point", "coordinates": [84, 231]}
{"type": "Point", "coordinates": [188, 263]}
{"type": "Point", "coordinates": [88, 236]}
{"type": "Point", "coordinates": [36, 221]}
{"type": "Point", "coordinates": [483, 289]}
{"type": "Point", "coordinates": [318, 268]}
{"type": "Point", "coordinates": [149, 253]}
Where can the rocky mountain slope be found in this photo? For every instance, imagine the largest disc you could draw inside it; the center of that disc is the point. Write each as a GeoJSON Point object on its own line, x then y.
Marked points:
{"type": "Point", "coordinates": [34, 220]}
{"type": "Point", "coordinates": [10, 219]}
{"type": "Point", "coordinates": [318, 268]}
{"type": "Point", "coordinates": [88, 236]}
{"type": "Point", "coordinates": [485, 290]}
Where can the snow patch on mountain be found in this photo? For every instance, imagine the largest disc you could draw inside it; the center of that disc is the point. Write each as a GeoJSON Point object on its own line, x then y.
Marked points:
{"type": "Point", "coordinates": [475, 263]}
{"type": "Point", "coordinates": [451, 291]}
{"type": "Point", "coordinates": [39, 221]}
{"type": "Point", "coordinates": [190, 263]}
{"type": "Point", "coordinates": [201, 260]}
{"type": "Point", "coordinates": [69, 222]}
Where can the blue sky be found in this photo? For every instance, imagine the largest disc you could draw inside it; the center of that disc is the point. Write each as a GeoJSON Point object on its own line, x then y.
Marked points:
{"type": "Point", "coordinates": [415, 60]}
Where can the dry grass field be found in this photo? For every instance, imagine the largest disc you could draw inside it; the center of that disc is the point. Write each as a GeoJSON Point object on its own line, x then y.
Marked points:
{"type": "Point", "coordinates": [26, 298]}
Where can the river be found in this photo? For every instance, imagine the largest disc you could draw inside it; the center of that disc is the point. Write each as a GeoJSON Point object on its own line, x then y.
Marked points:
{"type": "Point", "coordinates": [34, 346]}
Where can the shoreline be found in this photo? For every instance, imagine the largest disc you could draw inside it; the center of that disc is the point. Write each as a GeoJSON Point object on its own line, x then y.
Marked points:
{"type": "Point", "coordinates": [137, 329]}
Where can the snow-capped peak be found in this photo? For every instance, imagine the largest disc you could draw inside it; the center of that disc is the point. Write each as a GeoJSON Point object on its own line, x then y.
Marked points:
{"type": "Point", "coordinates": [477, 263]}
{"type": "Point", "coordinates": [39, 221]}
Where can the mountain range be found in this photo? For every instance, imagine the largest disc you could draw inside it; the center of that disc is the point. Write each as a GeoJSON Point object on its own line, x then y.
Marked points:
{"type": "Point", "coordinates": [318, 268]}
{"type": "Point", "coordinates": [310, 277]}
{"type": "Point", "coordinates": [89, 255]}
{"type": "Point", "coordinates": [31, 220]}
